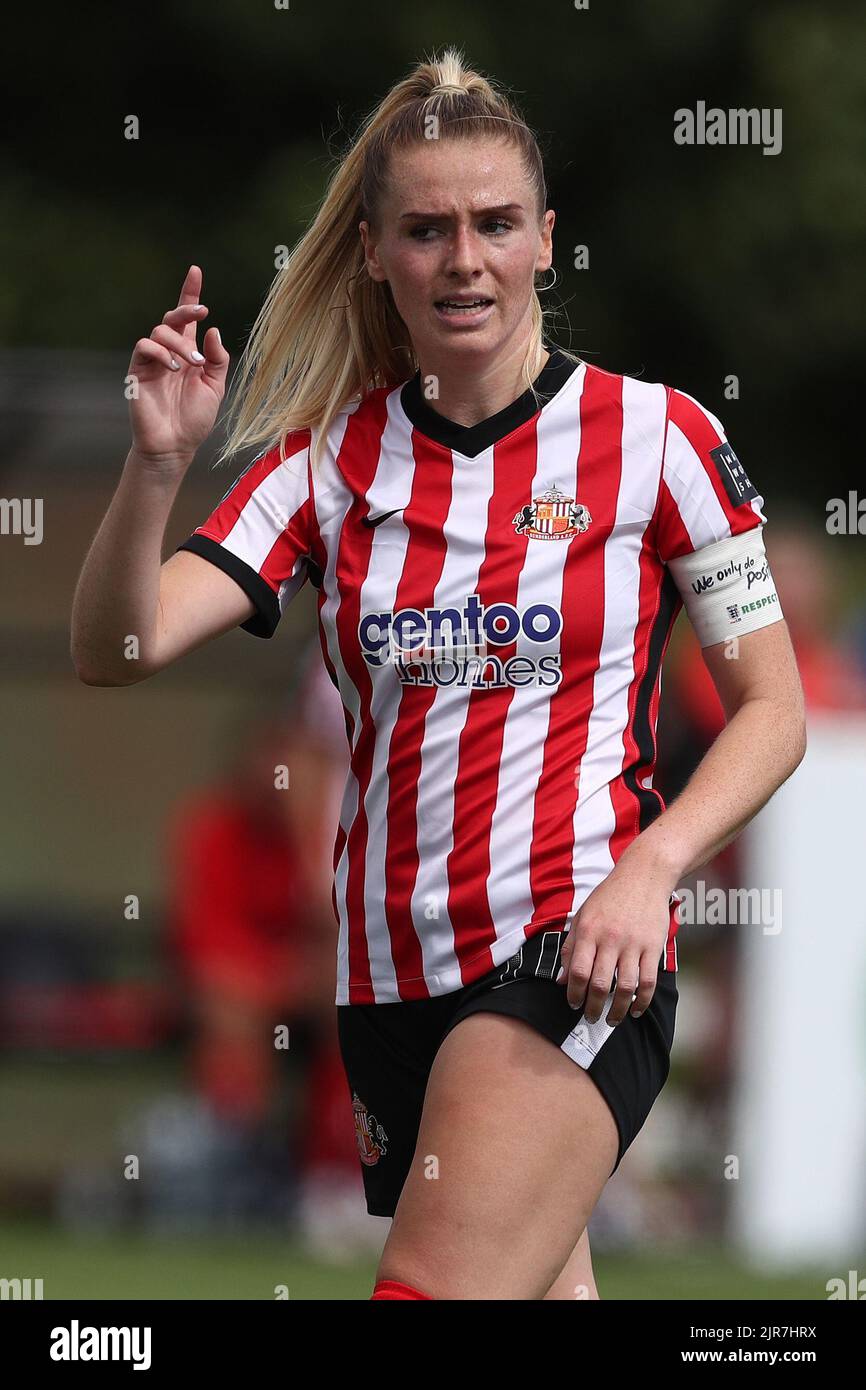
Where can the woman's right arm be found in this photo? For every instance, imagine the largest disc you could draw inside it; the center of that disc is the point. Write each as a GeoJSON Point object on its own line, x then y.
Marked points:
{"type": "Point", "coordinates": [125, 593]}
{"type": "Point", "coordinates": [132, 615]}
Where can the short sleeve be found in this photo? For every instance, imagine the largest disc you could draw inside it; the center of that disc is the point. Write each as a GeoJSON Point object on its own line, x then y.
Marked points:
{"type": "Point", "coordinates": [710, 528]}
{"type": "Point", "coordinates": [704, 495]}
{"type": "Point", "coordinates": [261, 532]}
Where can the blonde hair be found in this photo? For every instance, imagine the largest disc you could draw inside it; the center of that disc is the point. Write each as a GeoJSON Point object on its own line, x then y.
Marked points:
{"type": "Point", "coordinates": [327, 334]}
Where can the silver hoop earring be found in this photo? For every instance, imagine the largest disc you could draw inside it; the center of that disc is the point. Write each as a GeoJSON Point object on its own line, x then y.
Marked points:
{"type": "Point", "coordinates": [541, 288]}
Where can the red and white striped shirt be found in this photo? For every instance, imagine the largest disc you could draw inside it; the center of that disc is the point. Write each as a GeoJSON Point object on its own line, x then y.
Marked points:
{"type": "Point", "coordinates": [494, 606]}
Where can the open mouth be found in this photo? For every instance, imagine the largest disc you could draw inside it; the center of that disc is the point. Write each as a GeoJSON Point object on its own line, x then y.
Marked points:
{"type": "Point", "coordinates": [463, 308]}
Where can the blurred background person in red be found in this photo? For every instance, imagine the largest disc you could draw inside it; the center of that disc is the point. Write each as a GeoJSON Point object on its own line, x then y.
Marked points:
{"type": "Point", "coordinates": [332, 1216]}
{"type": "Point", "coordinates": [803, 563]}
{"type": "Point", "coordinates": [252, 933]}
{"type": "Point", "coordinates": [692, 717]}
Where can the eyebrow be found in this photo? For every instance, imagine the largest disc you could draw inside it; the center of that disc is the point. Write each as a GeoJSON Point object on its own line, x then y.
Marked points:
{"type": "Point", "coordinates": [479, 212]}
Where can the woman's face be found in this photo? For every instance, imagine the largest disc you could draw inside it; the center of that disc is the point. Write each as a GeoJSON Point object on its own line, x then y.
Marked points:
{"type": "Point", "coordinates": [459, 223]}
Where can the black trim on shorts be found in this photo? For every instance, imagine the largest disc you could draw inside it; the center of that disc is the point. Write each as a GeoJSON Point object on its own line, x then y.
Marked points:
{"type": "Point", "coordinates": [388, 1051]}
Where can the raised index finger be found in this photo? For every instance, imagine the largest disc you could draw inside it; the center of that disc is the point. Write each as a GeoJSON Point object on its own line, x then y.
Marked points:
{"type": "Point", "coordinates": [190, 293]}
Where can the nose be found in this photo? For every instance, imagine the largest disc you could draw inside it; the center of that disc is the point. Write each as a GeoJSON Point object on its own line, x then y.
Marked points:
{"type": "Point", "coordinates": [464, 251]}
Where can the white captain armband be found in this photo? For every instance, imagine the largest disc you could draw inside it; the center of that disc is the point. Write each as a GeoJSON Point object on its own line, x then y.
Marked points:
{"type": "Point", "coordinates": [726, 588]}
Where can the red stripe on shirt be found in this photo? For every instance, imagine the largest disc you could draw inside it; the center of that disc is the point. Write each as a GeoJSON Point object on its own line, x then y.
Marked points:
{"type": "Point", "coordinates": [422, 569]}
{"type": "Point", "coordinates": [358, 460]}
{"type": "Point", "coordinates": [482, 735]}
{"type": "Point", "coordinates": [597, 483]}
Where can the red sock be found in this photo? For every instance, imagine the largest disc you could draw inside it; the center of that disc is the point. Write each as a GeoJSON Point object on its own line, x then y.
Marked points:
{"type": "Point", "coordinates": [392, 1288]}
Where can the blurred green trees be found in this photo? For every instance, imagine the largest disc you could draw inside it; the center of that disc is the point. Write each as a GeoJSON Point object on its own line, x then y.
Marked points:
{"type": "Point", "coordinates": [704, 261]}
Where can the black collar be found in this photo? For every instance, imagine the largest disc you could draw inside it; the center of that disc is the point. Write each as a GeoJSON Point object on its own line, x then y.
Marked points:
{"type": "Point", "coordinates": [471, 440]}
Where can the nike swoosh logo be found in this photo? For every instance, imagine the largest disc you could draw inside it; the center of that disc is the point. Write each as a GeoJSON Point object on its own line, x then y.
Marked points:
{"type": "Point", "coordinates": [375, 520]}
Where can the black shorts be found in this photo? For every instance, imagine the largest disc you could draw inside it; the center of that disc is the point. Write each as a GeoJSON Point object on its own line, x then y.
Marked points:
{"type": "Point", "coordinates": [388, 1051]}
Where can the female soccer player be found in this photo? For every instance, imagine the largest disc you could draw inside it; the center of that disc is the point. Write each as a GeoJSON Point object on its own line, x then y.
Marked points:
{"type": "Point", "coordinates": [501, 536]}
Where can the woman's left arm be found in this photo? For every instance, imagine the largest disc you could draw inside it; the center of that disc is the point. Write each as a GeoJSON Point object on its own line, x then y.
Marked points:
{"type": "Point", "coordinates": [623, 924]}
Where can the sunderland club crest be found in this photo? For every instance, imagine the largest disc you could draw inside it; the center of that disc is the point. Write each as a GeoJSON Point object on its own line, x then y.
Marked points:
{"type": "Point", "coordinates": [552, 516]}
{"type": "Point", "coordinates": [370, 1135]}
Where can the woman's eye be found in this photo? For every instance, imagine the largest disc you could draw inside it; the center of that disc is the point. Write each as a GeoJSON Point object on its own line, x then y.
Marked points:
{"type": "Point", "coordinates": [497, 224]}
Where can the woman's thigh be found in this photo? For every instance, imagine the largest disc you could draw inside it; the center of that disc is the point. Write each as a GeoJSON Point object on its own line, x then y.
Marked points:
{"type": "Point", "coordinates": [515, 1145]}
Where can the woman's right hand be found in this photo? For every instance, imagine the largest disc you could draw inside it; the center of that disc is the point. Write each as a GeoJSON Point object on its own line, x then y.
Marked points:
{"type": "Point", "coordinates": [173, 407]}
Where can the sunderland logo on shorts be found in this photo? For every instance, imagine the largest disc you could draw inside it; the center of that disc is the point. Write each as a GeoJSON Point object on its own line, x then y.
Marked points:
{"type": "Point", "coordinates": [370, 1135]}
{"type": "Point", "coordinates": [552, 516]}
